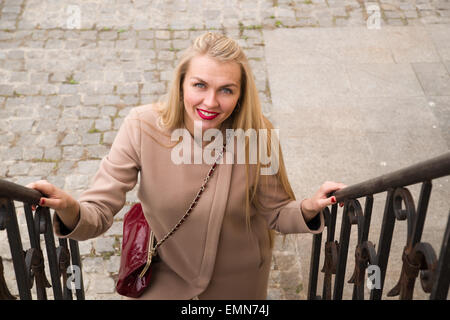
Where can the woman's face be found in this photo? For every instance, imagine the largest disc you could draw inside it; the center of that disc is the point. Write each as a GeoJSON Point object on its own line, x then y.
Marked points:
{"type": "Point", "coordinates": [211, 90]}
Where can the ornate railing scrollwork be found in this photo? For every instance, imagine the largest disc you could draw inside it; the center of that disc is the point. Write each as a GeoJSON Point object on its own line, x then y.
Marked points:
{"type": "Point", "coordinates": [5, 294]}
{"type": "Point", "coordinates": [418, 258]}
{"type": "Point", "coordinates": [29, 265]}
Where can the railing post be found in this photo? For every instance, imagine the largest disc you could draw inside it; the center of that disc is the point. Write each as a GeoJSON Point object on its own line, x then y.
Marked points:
{"type": "Point", "coordinates": [384, 244]}
{"type": "Point", "coordinates": [8, 220]}
{"type": "Point", "coordinates": [442, 277]}
{"type": "Point", "coordinates": [343, 251]}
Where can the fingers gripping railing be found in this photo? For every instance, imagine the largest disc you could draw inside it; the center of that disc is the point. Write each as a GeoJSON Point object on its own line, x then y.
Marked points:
{"type": "Point", "coordinates": [418, 258]}
{"type": "Point", "coordinates": [29, 265]}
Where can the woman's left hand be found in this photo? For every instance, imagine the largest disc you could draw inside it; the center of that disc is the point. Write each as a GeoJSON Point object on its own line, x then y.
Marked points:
{"type": "Point", "coordinates": [312, 206]}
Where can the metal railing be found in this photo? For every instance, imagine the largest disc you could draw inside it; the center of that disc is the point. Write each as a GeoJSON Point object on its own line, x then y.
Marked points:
{"type": "Point", "coordinates": [29, 265]}
{"type": "Point", "coordinates": [417, 257]}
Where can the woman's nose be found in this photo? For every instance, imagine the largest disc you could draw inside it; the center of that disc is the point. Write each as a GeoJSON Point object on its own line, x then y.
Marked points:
{"type": "Point", "coordinates": [210, 99]}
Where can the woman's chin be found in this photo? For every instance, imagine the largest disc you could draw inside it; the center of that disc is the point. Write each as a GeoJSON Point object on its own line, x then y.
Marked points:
{"type": "Point", "coordinates": [208, 124]}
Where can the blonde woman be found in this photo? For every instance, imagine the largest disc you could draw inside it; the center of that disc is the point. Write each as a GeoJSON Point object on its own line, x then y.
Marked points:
{"type": "Point", "coordinates": [223, 249]}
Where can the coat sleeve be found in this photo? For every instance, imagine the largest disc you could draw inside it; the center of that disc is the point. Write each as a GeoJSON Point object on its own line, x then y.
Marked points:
{"type": "Point", "coordinates": [116, 176]}
{"type": "Point", "coordinates": [281, 212]}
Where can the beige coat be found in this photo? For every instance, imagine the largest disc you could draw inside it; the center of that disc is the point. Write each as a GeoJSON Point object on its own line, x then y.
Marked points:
{"type": "Point", "coordinates": [211, 256]}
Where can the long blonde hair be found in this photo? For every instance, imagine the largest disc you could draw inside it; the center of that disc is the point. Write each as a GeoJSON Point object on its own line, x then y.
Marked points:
{"type": "Point", "coordinates": [247, 116]}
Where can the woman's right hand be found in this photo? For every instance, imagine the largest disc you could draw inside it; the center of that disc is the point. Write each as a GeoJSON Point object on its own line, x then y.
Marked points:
{"type": "Point", "coordinates": [65, 205]}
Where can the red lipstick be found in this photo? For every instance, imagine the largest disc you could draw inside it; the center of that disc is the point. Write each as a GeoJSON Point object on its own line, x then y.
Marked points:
{"type": "Point", "coordinates": [209, 114]}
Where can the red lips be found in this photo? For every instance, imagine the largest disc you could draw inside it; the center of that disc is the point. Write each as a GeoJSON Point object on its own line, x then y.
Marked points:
{"type": "Point", "coordinates": [205, 117]}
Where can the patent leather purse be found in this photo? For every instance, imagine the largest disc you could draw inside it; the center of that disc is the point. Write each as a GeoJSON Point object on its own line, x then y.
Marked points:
{"type": "Point", "coordinates": [135, 242]}
{"type": "Point", "coordinates": [139, 245]}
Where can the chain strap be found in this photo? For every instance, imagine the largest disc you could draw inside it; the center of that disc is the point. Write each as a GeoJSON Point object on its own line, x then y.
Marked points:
{"type": "Point", "coordinates": [151, 247]}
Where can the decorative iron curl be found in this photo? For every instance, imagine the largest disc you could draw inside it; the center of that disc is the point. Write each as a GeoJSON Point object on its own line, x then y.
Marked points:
{"type": "Point", "coordinates": [34, 261]}
{"type": "Point", "coordinates": [5, 294]}
{"type": "Point", "coordinates": [416, 257]}
{"type": "Point", "coordinates": [63, 258]}
{"type": "Point", "coordinates": [403, 195]}
{"type": "Point", "coordinates": [365, 253]}
{"type": "Point", "coordinates": [425, 257]}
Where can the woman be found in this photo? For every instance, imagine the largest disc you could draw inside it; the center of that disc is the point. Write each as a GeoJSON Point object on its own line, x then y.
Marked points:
{"type": "Point", "coordinates": [223, 250]}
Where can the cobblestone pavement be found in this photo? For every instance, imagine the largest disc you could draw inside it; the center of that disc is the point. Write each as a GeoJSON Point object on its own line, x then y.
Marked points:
{"type": "Point", "coordinates": [71, 70]}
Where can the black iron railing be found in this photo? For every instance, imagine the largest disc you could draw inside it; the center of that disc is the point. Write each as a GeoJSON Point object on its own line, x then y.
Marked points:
{"type": "Point", "coordinates": [29, 265]}
{"type": "Point", "coordinates": [417, 257]}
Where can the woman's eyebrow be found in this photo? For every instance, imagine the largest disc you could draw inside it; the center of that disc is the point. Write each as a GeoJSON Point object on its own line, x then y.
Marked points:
{"type": "Point", "coordinates": [226, 85]}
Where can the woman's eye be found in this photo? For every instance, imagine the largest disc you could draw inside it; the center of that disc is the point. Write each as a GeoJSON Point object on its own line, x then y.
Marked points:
{"type": "Point", "coordinates": [226, 90]}
{"type": "Point", "coordinates": [199, 85]}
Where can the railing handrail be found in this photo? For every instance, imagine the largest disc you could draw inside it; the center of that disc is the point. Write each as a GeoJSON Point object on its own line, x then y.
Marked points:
{"type": "Point", "coordinates": [422, 171]}
{"type": "Point", "coordinates": [18, 192]}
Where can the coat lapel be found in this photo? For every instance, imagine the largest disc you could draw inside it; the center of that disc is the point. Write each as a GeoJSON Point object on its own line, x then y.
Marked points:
{"type": "Point", "coordinates": [217, 211]}
{"type": "Point", "coordinates": [216, 214]}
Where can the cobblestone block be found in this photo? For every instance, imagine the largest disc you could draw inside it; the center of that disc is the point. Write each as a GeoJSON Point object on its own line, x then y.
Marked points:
{"type": "Point", "coordinates": [33, 153]}
{"type": "Point", "coordinates": [73, 152]}
{"type": "Point", "coordinates": [41, 168]}
{"type": "Point", "coordinates": [113, 264]}
{"type": "Point", "coordinates": [97, 152]}
{"type": "Point", "coordinates": [102, 284]}
{"type": "Point", "coordinates": [89, 167]}
{"type": "Point", "coordinates": [153, 88]}
{"type": "Point", "coordinates": [127, 88]}
{"type": "Point", "coordinates": [103, 124]}
{"type": "Point", "coordinates": [6, 90]}
{"type": "Point", "coordinates": [90, 138]}
{"type": "Point", "coordinates": [108, 137]}
{"type": "Point", "coordinates": [76, 181]}
{"type": "Point", "coordinates": [94, 264]}
{"type": "Point", "coordinates": [107, 35]}
{"type": "Point", "coordinates": [18, 169]}
{"type": "Point", "coordinates": [104, 244]}
{"type": "Point", "coordinates": [54, 153]}
{"type": "Point", "coordinates": [85, 247]}
{"type": "Point", "coordinates": [115, 230]}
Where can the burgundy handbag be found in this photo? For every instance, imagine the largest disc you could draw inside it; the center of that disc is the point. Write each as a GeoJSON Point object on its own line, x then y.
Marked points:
{"type": "Point", "coordinates": [138, 245]}
{"type": "Point", "coordinates": [136, 234]}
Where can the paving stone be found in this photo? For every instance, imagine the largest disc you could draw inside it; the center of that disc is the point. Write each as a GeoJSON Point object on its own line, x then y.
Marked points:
{"type": "Point", "coordinates": [41, 168]}
{"type": "Point", "coordinates": [85, 247]}
{"type": "Point", "coordinates": [434, 78]}
{"type": "Point", "coordinates": [97, 152]}
{"type": "Point", "coordinates": [20, 168]}
{"type": "Point", "coordinates": [73, 152]}
{"type": "Point", "coordinates": [89, 167]}
{"type": "Point", "coordinates": [33, 153]}
{"type": "Point", "coordinates": [94, 264]}
{"type": "Point", "coordinates": [91, 139]}
{"type": "Point", "coordinates": [54, 153]}
{"type": "Point", "coordinates": [76, 181]}
{"type": "Point", "coordinates": [113, 264]}
{"type": "Point", "coordinates": [103, 284]}
{"type": "Point", "coordinates": [108, 137]}
{"type": "Point", "coordinates": [115, 230]}
{"type": "Point", "coordinates": [103, 124]}
{"type": "Point", "coordinates": [104, 244]}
